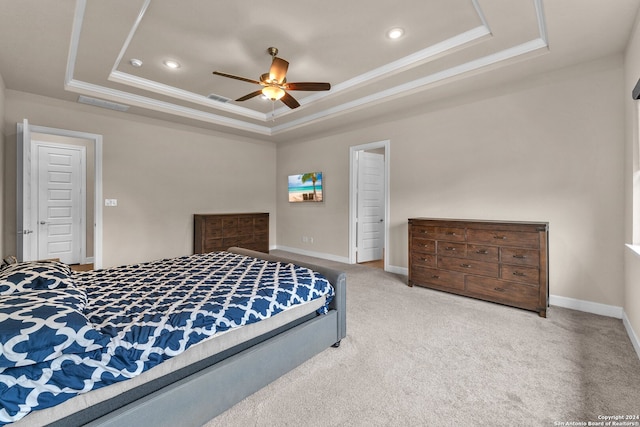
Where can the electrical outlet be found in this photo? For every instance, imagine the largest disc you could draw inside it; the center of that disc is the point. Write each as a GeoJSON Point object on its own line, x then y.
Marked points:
{"type": "Point", "coordinates": [111, 202]}
{"type": "Point", "coordinates": [311, 240]}
{"type": "Point", "coordinates": [305, 239]}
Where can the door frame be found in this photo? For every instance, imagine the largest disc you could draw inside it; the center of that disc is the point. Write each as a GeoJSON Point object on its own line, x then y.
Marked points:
{"type": "Point", "coordinates": [24, 131]}
{"type": "Point", "coordinates": [353, 191]}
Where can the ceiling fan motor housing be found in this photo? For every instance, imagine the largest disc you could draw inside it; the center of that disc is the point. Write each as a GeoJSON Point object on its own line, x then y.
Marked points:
{"type": "Point", "coordinates": [275, 82]}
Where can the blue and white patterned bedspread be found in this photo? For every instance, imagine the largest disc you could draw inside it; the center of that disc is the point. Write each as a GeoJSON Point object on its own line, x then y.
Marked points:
{"type": "Point", "coordinates": [133, 318]}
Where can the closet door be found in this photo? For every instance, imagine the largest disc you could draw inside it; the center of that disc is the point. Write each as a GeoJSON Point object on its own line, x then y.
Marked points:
{"type": "Point", "coordinates": [370, 233]}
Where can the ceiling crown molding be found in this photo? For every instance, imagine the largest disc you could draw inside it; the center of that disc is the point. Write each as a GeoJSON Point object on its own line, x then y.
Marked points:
{"type": "Point", "coordinates": [408, 62]}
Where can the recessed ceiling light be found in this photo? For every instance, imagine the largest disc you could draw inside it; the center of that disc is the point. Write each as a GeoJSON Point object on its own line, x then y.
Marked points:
{"type": "Point", "coordinates": [171, 64]}
{"type": "Point", "coordinates": [395, 33]}
{"type": "Point", "coordinates": [136, 63]}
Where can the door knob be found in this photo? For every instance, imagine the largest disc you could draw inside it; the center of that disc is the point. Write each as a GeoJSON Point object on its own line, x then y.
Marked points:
{"type": "Point", "coordinates": [43, 222]}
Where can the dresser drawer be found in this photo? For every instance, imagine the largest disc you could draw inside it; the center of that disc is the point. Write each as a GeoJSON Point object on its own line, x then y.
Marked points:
{"type": "Point", "coordinates": [213, 223]}
{"type": "Point", "coordinates": [423, 260]}
{"type": "Point", "coordinates": [241, 241]}
{"type": "Point", "coordinates": [261, 236]}
{"type": "Point", "coordinates": [212, 245]}
{"type": "Point", "coordinates": [519, 239]}
{"type": "Point", "coordinates": [521, 274]}
{"type": "Point", "coordinates": [245, 222]}
{"type": "Point", "coordinates": [468, 266]}
{"type": "Point", "coordinates": [483, 253]}
{"type": "Point", "coordinates": [451, 249]}
{"type": "Point", "coordinates": [229, 222]}
{"type": "Point", "coordinates": [450, 234]}
{"type": "Point", "coordinates": [516, 256]}
{"type": "Point", "coordinates": [214, 233]}
{"type": "Point", "coordinates": [423, 246]}
{"type": "Point", "coordinates": [432, 277]}
{"type": "Point", "coordinates": [501, 291]}
{"type": "Point", "coordinates": [424, 232]}
{"type": "Point", "coordinates": [261, 223]}
{"type": "Point", "coordinates": [229, 231]}
{"type": "Point", "coordinates": [245, 230]}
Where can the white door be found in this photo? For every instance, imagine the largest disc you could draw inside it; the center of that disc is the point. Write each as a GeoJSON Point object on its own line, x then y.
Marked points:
{"type": "Point", "coordinates": [370, 206]}
{"type": "Point", "coordinates": [59, 184]}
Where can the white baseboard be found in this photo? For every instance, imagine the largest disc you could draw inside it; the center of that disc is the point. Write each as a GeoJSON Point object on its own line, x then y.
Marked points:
{"type": "Point", "coordinates": [322, 255]}
{"type": "Point", "coordinates": [398, 270]}
{"type": "Point", "coordinates": [587, 306]}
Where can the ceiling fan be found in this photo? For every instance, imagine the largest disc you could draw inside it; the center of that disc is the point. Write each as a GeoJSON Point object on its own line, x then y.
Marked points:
{"type": "Point", "coordinates": [275, 84]}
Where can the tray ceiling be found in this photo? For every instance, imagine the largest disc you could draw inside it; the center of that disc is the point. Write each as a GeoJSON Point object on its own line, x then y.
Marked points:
{"type": "Point", "coordinates": [450, 43]}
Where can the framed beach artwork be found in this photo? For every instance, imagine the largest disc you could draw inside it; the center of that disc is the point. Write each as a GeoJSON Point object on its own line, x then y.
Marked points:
{"type": "Point", "coordinates": [306, 187]}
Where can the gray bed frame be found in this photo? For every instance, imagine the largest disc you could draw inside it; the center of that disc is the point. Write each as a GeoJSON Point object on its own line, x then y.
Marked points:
{"type": "Point", "coordinates": [196, 394]}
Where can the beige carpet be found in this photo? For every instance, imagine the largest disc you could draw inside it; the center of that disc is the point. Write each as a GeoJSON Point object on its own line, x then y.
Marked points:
{"type": "Point", "coordinates": [418, 357]}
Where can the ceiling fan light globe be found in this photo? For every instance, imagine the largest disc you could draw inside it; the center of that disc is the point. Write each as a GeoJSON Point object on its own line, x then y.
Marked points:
{"type": "Point", "coordinates": [273, 93]}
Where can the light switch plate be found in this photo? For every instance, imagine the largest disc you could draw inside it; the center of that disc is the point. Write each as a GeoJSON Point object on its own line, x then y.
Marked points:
{"type": "Point", "coordinates": [111, 202]}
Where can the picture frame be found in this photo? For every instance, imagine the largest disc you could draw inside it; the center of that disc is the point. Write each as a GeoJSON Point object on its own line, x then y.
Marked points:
{"type": "Point", "coordinates": [306, 187]}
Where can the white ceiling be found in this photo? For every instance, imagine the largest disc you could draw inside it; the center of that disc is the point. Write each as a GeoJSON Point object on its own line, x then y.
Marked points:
{"type": "Point", "coordinates": [67, 48]}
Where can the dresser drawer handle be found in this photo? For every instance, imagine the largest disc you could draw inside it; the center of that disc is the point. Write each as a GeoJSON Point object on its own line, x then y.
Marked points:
{"type": "Point", "coordinates": [500, 237]}
{"type": "Point", "coordinates": [435, 276]}
{"type": "Point", "coordinates": [499, 289]}
{"type": "Point", "coordinates": [449, 248]}
{"type": "Point", "coordinates": [425, 246]}
{"type": "Point", "coordinates": [465, 265]}
{"type": "Point", "coordinates": [519, 274]}
{"type": "Point", "coordinates": [520, 256]}
{"type": "Point", "coordinates": [450, 233]}
{"type": "Point", "coordinates": [482, 251]}
{"type": "Point", "coordinates": [424, 259]}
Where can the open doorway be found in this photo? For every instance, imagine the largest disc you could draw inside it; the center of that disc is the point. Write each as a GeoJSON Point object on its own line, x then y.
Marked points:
{"type": "Point", "coordinates": [59, 190]}
{"type": "Point", "coordinates": [369, 203]}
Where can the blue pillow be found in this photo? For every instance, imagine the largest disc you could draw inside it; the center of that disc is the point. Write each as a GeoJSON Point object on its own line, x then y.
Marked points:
{"type": "Point", "coordinates": [34, 275]}
{"type": "Point", "coordinates": [36, 326]}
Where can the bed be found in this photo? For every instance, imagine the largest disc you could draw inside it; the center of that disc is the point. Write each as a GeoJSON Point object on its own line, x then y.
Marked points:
{"type": "Point", "coordinates": [189, 367]}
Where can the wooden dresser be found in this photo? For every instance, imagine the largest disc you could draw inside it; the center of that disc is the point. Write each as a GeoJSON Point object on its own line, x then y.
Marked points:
{"type": "Point", "coordinates": [503, 262]}
{"type": "Point", "coordinates": [218, 232]}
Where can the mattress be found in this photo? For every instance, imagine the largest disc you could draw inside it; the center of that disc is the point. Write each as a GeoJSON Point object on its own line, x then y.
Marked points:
{"type": "Point", "coordinates": [135, 318]}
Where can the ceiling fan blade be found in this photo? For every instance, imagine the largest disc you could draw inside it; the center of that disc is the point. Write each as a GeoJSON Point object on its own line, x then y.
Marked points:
{"type": "Point", "coordinates": [310, 86]}
{"type": "Point", "coordinates": [290, 101]}
{"type": "Point", "coordinates": [231, 76]}
{"type": "Point", "coordinates": [250, 95]}
{"type": "Point", "coordinates": [278, 70]}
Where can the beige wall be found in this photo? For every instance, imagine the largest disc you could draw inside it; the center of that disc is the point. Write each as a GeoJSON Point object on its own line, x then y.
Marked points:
{"type": "Point", "coordinates": [2, 181]}
{"type": "Point", "coordinates": [327, 222]}
{"type": "Point", "coordinates": [160, 173]}
{"type": "Point", "coordinates": [550, 149]}
{"type": "Point", "coordinates": [632, 184]}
